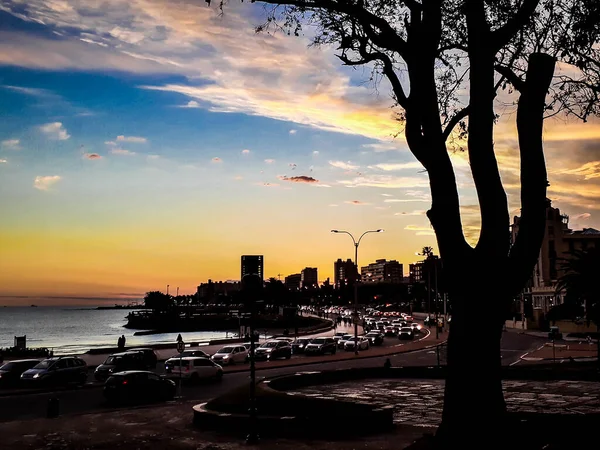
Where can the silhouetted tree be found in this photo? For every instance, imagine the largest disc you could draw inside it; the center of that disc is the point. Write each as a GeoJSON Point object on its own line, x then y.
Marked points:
{"type": "Point", "coordinates": [158, 301]}
{"type": "Point", "coordinates": [433, 52]}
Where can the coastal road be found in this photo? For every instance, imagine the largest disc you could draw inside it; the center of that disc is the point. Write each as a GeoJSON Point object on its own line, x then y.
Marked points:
{"type": "Point", "coordinates": [90, 399]}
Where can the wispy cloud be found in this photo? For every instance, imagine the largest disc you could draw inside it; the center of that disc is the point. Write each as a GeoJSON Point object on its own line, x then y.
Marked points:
{"type": "Point", "coordinates": [43, 183]}
{"type": "Point", "coordinates": [12, 144]}
{"type": "Point", "coordinates": [588, 170]}
{"type": "Point", "coordinates": [132, 139]}
{"type": "Point", "coordinates": [269, 161]}
{"type": "Point", "coordinates": [379, 147]}
{"type": "Point", "coordinates": [583, 216]}
{"type": "Point", "coordinates": [420, 230]}
{"type": "Point", "coordinates": [387, 195]}
{"type": "Point", "coordinates": [388, 167]}
{"type": "Point", "coordinates": [111, 143]}
{"type": "Point", "coordinates": [385, 181]}
{"type": "Point", "coordinates": [34, 92]}
{"type": "Point", "coordinates": [315, 152]}
{"type": "Point", "coordinates": [293, 131]}
{"type": "Point", "coordinates": [3, 161]}
{"type": "Point", "coordinates": [245, 152]}
{"type": "Point", "coordinates": [121, 151]}
{"type": "Point", "coordinates": [298, 179]}
{"type": "Point", "coordinates": [92, 156]}
{"type": "Point", "coordinates": [55, 130]}
{"type": "Point", "coordinates": [190, 104]}
{"type": "Point", "coordinates": [153, 156]}
{"type": "Point", "coordinates": [411, 213]}
{"type": "Point", "coordinates": [216, 159]}
{"type": "Point", "coordinates": [403, 200]}
{"type": "Point", "coordinates": [343, 165]}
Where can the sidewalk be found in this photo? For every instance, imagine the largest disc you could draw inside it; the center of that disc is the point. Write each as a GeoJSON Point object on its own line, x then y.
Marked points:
{"type": "Point", "coordinates": [578, 351]}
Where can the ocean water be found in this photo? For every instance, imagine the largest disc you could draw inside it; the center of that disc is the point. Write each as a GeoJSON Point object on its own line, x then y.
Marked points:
{"type": "Point", "coordinates": [74, 330]}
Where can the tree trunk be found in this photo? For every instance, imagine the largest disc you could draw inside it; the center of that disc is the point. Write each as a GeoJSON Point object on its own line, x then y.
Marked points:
{"type": "Point", "coordinates": [474, 404]}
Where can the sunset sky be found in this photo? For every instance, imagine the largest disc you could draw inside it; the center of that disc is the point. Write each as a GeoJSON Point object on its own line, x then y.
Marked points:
{"type": "Point", "coordinates": [153, 142]}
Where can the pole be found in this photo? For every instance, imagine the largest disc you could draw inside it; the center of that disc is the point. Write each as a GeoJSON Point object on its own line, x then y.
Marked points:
{"type": "Point", "coordinates": [177, 291]}
{"type": "Point", "coordinates": [553, 352]}
{"type": "Point", "coordinates": [437, 328]}
{"type": "Point", "coordinates": [180, 370]}
{"type": "Point", "coordinates": [445, 311]}
{"type": "Point", "coordinates": [428, 295]}
{"type": "Point", "coordinates": [252, 437]}
{"type": "Point", "coordinates": [356, 299]}
{"type": "Point", "coordinates": [522, 311]}
{"type": "Point", "coordinates": [167, 289]}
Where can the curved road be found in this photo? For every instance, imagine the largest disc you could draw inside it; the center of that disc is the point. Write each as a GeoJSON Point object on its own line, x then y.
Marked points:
{"type": "Point", "coordinates": [80, 400]}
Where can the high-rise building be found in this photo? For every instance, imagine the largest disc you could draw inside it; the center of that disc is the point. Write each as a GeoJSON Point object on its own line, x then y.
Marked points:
{"type": "Point", "coordinates": [345, 273]}
{"type": "Point", "coordinates": [252, 265]}
{"type": "Point", "coordinates": [415, 273]}
{"type": "Point", "coordinates": [309, 278]}
{"type": "Point", "coordinates": [382, 271]}
{"type": "Point", "coordinates": [293, 282]}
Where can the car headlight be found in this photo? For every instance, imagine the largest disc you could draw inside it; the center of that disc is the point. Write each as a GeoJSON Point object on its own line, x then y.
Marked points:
{"type": "Point", "coordinates": [37, 375]}
{"type": "Point", "coordinates": [269, 350]}
{"type": "Point", "coordinates": [226, 356]}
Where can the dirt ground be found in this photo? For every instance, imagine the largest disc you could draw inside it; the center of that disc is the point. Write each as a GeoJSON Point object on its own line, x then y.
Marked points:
{"type": "Point", "coordinates": [167, 427]}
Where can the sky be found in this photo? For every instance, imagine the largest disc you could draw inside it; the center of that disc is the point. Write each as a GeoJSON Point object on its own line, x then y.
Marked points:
{"type": "Point", "coordinates": [153, 142]}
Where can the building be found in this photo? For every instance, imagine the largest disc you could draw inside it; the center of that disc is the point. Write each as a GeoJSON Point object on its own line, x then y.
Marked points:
{"type": "Point", "coordinates": [309, 278]}
{"type": "Point", "coordinates": [293, 282]}
{"type": "Point", "coordinates": [345, 273]}
{"type": "Point", "coordinates": [252, 265]}
{"type": "Point", "coordinates": [382, 271]}
{"type": "Point", "coordinates": [415, 273]}
{"type": "Point", "coordinates": [210, 290]}
{"type": "Point", "coordinates": [559, 241]}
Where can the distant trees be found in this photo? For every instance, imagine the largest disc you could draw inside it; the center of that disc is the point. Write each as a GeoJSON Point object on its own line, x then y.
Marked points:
{"type": "Point", "coordinates": [158, 301]}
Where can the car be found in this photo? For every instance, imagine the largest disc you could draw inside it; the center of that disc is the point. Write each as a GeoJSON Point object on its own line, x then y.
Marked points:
{"type": "Point", "coordinates": [337, 336]}
{"type": "Point", "coordinates": [195, 368]}
{"type": "Point", "coordinates": [320, 346]}
{"type": "Point", "coordinates": [150, 358]}
{"type": "Point", "coordinates": [273, 350]}
{"type": "Point", "coordinates": [185, 354]}
{"type": "Point", "coordinates": [57, 370]}
{"type": "Point", "coordinates": [374, 337]}
{"type": "Point", "coordinates": [341, 342]}
{"type": "Point", "coordinates": [230, 354]}
{"type": "Point", "coordinates": [286, 339]}
{"type": "Point", "coordinates": [406, 333]}
{"type": "Point", "coordinates": [119, 362]}
{"type": "Point", "coordinates": [10, 372]}
{"type": "Point", "coordinates": [138, 386]}
{"type": "Point", "coordinates": [299, 345]}
{"type": "Point", "coordinates": [409, 318]}
{"type": "Point", "coordinates": [390, 331]}
{"type": "Point", "coordinates": [351, 344]}
{"type": "Point", "coordinates": [416, 327]}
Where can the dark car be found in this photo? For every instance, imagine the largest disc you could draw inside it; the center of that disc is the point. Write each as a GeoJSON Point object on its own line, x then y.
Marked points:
{"type": "Point", "coordinates": [138, 386]}
{"type": "Point", "coordinates": [150, 358]}
{"type": "Point", "coordinates": [299, 345]}
{"type": "Point", "coordinates": [188, 353]}
{"type": "Point", "coordinates": [58, 370]}
{"type": "Point", "coordinates": [320, 346]}
{"type": "Point", "coordinates": [406, 333]}
{"type": "Point", "coordinates": [375, 337]}
{"type": "Point", "coordinates": [120, 362]}
{"type": "Point", "coordinates": [10, 373]}
{"type": "Point", "coordinates": [273, 350]}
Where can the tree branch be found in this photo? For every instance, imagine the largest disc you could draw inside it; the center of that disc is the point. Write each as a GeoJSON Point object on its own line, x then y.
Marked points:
{"type": "Point", "coordinates": [505, 33]}
{"type": "Point", "coordinates": [460, 115]}
{"type": "Point", "coordinates": [510, 76]}
{"type": "Point", "coordinates": [530, 120]}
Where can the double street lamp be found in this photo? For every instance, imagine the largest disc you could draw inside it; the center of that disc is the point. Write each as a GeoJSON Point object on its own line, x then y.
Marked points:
{"type": "Point", "coordinates": [356, 244]}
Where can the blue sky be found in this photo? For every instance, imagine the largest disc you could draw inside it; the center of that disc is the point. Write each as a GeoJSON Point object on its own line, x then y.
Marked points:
{"type": "Point", "coordinates": [147, 142]}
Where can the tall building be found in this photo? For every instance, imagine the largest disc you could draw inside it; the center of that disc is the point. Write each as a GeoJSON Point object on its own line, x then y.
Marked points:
{"type": "Point", "coordinates": [345, 272]}
{"type": "Point", "coordinates": [293, 282]}
{"type": "Point", "coordinates": [210, 290]}
{"type": "Point", "coordinates": [382, 271]}
{"type": "Point", "coordinates": [309, 278]}
{"type": "Point", "coordinates": [252, 265]}
{"type": "Point", "coordinates": [415, 273]}
{"type": "Point", "coordinates": [559, 241]}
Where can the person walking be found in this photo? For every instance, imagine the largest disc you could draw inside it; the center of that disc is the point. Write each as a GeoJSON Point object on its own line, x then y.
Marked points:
{"type": "Point", "coordinates": [124, 340]}
{"type": "Point", "coordinates": [120, 343]}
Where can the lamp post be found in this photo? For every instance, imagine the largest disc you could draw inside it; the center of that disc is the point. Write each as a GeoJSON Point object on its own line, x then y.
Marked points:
{"type": "Point", "coordinates": [356, 244]}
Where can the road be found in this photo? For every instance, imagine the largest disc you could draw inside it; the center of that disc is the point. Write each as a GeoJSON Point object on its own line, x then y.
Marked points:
{"type": "Point", "coordinates": [80, 400]}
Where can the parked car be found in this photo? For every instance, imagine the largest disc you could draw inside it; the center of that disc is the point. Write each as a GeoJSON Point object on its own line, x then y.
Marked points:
{"type": "Point", "coordinates": [345, 338]}
{"type": "Point", "coordinates": [286, 339]}
{"type": "Point", "coordinates": [150, 358]}
{"type": "Point", "coordinates": [10, 372]}
{"type": "Point", "coordinates": [231, 354]}
{"type": "Point", "coordinates": [119, 362]}
{"type": "Point", "coordinates": [273, 350]}
{"type": "Point", "coordinates": [406, 333]}
{"type": "Point", "coordinates": [57, 370]}
{"type": "Point", "coordinates": [185, 354]}
{"type": "Point", "coordinates": [195, 368]}
{"type": "Point", "coordinates": [138, 386]}
{"type": "Point", "coordinates": [299, 345]}
{"type": "Point", "coordinates": [375, 337]}
{"type": "Point", "coordinates": [337, 336]}
{"type": "Point", "coordinates": [320, 346]}
{"type": "Point", "coordinates": [361, 342]}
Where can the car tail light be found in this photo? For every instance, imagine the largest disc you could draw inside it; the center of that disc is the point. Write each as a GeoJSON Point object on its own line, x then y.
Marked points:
{"type": "Point", "coordinates": [187, 368]}
{"type": "Point", "coordinates": [124, 382]}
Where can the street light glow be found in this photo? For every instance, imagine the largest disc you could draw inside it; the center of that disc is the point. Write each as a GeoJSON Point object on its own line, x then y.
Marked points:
{"type": "Point", "coordinates": [334, 231]}
{"type": "Point", "coordinates": [381, 230]}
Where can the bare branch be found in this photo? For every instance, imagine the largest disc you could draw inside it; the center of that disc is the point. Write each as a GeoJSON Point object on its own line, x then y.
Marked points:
{"type": "Point", "coordinates": [460, 115]}
{"type": "Point", "coordinates": [504, 34]}
{"type": "Point", "coordinates": [510, 76]}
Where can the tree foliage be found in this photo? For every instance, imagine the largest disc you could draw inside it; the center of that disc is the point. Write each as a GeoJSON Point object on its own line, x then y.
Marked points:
{"type": "Point", "coordinates": [158, 301]}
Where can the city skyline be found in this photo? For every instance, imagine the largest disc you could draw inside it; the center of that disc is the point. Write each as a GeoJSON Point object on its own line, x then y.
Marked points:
{"type": "Point", "coordinates": [157, 150]}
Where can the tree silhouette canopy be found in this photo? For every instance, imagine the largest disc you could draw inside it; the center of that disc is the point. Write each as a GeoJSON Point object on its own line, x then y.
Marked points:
{"type": "Point", "coordinates": [447, 62]}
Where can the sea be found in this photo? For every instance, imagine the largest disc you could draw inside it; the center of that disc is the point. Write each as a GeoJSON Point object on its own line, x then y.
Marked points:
{"type": "Point", "coordinates": [75, 330]}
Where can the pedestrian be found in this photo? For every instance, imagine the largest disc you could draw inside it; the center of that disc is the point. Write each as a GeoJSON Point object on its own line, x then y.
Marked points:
{"type": "Point", "coordinates": [124, 340]}
{"type": "Point", "coordinates": [120, 343]}
{"type": "Point", "coordinates": [179, 338]}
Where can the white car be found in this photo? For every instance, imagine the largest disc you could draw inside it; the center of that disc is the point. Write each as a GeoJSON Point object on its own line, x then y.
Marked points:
{"type": "Point", "coordinates": [416, 327]}
{"type": "Point", "coordinates": [231, 354]}
{"type": "Point", "coordinates": [342, 341]}
{"type": "Point", "coordinates": [195, 368]}
{"type": "Point", "coordinates": [363, 344]}
{"type": "Point", "coordinates": [339, 335]}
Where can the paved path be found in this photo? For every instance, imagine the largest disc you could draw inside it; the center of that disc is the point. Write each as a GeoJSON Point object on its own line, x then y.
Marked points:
{"type": "Point", "coordinates": [419, 402]}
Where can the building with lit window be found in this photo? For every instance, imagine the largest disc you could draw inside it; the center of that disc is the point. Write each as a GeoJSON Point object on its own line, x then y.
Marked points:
{"type": "Point", "coordinates": [252, 265]}
{"type": "Point", "coordinates": [382, 271]}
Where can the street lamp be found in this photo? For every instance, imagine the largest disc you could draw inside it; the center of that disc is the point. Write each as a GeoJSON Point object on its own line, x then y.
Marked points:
{"type": "Point", "coordinates": [356, 244]}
